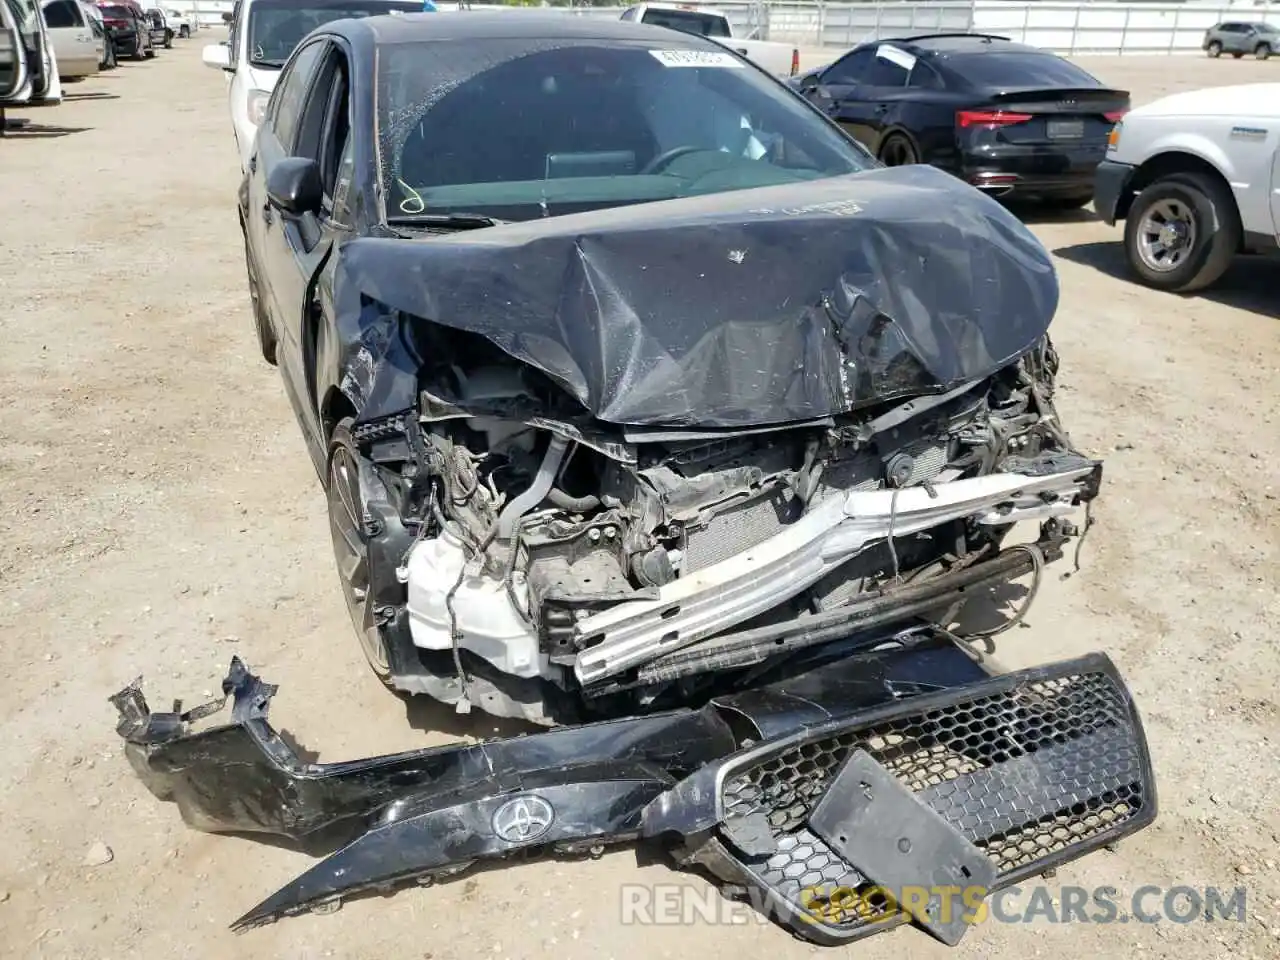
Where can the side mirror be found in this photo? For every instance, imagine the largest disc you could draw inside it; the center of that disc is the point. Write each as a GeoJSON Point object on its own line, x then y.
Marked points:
{"type": "Point", "coordinates": [217, 55]}
{"type": "Point", "coordinates": [227, 16]}
{"type": "Point", "coordinates": [294, 188]}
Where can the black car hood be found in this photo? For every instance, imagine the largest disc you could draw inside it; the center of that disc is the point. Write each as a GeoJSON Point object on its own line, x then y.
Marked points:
{"type": "Point", "coordinates": [749, 307]}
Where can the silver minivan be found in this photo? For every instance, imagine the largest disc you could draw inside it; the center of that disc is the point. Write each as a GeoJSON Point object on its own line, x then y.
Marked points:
{"type": "Point", "coordinates": [75, 46]}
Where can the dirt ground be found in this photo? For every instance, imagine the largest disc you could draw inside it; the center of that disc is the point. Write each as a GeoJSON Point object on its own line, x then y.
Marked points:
{"type": "Point", "coordinates": [160, 514]}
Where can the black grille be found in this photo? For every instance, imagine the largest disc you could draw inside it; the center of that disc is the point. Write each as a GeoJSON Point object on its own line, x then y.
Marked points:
{"type": "Point", "coordinates": [1033, 773]}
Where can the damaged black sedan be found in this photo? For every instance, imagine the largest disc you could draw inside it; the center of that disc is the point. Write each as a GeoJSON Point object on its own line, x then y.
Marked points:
{"type": "Point", "coordinates": [625, 369]}
{"type": "Point", "coordinates": [651, 409]}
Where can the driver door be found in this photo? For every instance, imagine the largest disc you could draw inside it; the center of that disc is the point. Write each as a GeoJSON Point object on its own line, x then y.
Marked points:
{"type": "Point", "coordinates": [42, 65]}
{"type": "Point", "coordinates": [836, 91]}
{"type": "Point", "coordinates": [309, 117]}
{"type": "Point", "coordinates": [15, 77]}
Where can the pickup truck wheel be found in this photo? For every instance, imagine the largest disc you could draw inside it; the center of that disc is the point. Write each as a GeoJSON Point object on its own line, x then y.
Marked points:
{"type": "Point", "coordinates": [1262, 51]}
{"type": "Point", "coordinates": [139, 51]}
{"type": "Point", "coordinates": [1214, 49]}
{"type": "Point", "coordinates": [261, 322]}
{"type": "Point", "coordinates": [898, 151]}
{"type": "Point", "coordinates": [184, 33]}
{"type": "Point", "coordinates": [350, 550]}
{"type": "Point", "coordinates": [1182, 232]}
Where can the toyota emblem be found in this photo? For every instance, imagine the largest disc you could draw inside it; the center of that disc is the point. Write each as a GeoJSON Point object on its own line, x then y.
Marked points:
{"type": "Point", "coordinates": [522, 819]}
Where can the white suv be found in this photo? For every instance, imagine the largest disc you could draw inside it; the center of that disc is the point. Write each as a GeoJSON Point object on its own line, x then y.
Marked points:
{"type": "Point", "coordinates": [1196, 177]}
{"type": "Point", "coordinates": [263, 35]}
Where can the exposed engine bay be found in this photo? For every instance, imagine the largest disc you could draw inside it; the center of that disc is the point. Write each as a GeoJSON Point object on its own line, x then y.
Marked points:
{"type": "Point", "coordinates": [555, 573]}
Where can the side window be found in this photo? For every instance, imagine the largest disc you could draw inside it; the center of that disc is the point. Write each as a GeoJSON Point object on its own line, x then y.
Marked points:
{"type": "Point", "coordinates": [342, 181]}
{"type": "Point", "coordinates": [887, 71]}
{"type": "Point", "coordinates": [630, 13]}
{"type": "Point", "coordinates": [285, 109]}
{"type": "Point", "coordinates": [325, 127]}
{"type": "Point", "coordinates": [62, 13]}
{"type": "Point", "coordinates": [850, 68]}
{"type": "Point", "coordinates": [925, 77]}
{"type": "Point", "coordinates": [233, 38]}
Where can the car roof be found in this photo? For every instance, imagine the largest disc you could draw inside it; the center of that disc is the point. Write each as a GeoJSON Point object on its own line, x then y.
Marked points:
{"type": "Point", "coordinates": [947, 44]}
{"type": "Point", "coordinates": [426, 27]}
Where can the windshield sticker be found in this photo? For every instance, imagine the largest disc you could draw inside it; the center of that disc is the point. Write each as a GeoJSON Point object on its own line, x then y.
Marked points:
{"type": "Point", "coordinates": [894, 55]}
{"type": "Point", "coordinates": [695, 58]}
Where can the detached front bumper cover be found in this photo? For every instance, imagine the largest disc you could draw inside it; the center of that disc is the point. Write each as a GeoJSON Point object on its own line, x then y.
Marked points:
{"type": "Point", "coordinates": [899, 769]}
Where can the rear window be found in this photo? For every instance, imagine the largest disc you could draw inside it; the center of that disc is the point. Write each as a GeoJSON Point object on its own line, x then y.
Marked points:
{"type": "Point", "coordinates": [1020, 69]}
{"type": "Point", "coordinates": [688, 21]}
{"type": "Point", "coordinates": [117, 12]}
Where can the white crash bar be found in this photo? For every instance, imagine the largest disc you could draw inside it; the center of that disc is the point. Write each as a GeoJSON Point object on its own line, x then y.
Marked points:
{"type": "Point", "coordinates": [745, 585]}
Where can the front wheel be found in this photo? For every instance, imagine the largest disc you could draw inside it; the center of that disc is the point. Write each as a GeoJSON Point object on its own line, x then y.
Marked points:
{"type": "Point", "coordinates": [168, 39]}
{"type": "Point", "coordinates": [350, 545]}
{"type": "Point", "coordinates": [1182, 232]}
{"type": "Point", "coordinates": [184, 33]}
{"type": "Point", "coordinates": [139, 51]}
{"type": "Point", "coordinates": [1262, 51]}
{"type": "Point", "coordinates": [1214, 49]}
{"type": "Point", "coordinates": [898, 151]}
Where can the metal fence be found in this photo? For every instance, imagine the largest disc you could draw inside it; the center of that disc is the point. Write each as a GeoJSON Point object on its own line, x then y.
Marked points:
{"type": "Point", "coordinates": [1067, 28]}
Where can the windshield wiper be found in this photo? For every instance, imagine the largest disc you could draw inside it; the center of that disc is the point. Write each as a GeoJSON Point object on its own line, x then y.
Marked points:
{"type": "Point", "coordinates": [269, 64]}
{"type": "Point", "coordinates": [451, 221]}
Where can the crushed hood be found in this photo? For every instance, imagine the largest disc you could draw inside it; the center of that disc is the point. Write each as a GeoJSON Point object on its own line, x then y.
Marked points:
{"type": "Point", "coordinates": [749, 307]}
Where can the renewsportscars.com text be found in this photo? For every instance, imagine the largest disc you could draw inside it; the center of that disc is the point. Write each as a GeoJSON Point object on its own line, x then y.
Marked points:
{"type": "Point", "coordinates": [683, 904]}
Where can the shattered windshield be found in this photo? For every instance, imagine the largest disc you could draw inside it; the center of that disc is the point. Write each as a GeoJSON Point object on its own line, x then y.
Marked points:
{"type": "Point", "coordinates": [276, 27]}
{"type": "Point", "coordinates": [516, 129]}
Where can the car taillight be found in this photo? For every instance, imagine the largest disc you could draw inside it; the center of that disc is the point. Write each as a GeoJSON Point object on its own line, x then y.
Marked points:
{"type": "Point", "coordinates": [1115, 115]}
{"type": "Point", "coordinates": [989, 118]}
{"type": "Point", "coordinates": [795, 61]}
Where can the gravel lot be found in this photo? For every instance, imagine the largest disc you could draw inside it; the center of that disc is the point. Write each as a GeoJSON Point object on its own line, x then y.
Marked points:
{"type": "Point", "coordinates": [160, 514]}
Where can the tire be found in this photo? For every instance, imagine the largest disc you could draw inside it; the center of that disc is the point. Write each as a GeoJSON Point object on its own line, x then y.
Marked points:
{"type": "Point", "coordinates": [139, 51]}
{"type": "Point", "coordinates": [1201, 208]}
{"type": "Point", "coordinates": [898, 151]}
{"type": "Point", "coordinates": [267, 342]}
{"type": "Point", "coordinates": [184, 33]}
{"type": "Point", "coordinates": [346, 528]}
{"type": "Point", "coordinates": [168, 39]}
{"type": "Point", "coordinates": [1262, 51]}
{"type": "Point", "coordinates": [1214, 49]}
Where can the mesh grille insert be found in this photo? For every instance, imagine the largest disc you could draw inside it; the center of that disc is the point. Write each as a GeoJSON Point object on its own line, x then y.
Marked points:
{"type": "Point", "coordinates": [1027, 774]}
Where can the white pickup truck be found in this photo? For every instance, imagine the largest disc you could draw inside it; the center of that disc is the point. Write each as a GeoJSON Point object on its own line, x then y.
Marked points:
{"type": "Point", "coordinates": [781, 59]}
{"type": "Point", "coordinates": [1196, 177]}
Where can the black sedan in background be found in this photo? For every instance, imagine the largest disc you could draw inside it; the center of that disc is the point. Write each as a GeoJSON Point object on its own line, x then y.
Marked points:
{"type": "Point", "coordinates": [1013, 120]}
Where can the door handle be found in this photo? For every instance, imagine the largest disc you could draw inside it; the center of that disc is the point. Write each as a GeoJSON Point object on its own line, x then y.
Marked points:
{"type": "Point", "coordinates": [253, 163]}
{"type": "Point", "coordinates": [882, 108]}
{"type": "Point", "coordinates": [266, 213]}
